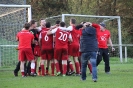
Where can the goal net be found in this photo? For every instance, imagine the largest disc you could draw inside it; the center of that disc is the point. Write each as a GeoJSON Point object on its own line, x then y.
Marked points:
{"type": "Point", "coordinates": [12, 19]}
{"type": "Point", "coordinates": [112, 23]}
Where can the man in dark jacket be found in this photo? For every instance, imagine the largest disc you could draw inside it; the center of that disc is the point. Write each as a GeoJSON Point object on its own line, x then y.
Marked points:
{"type": "Point", "coordinates": [88, 49]}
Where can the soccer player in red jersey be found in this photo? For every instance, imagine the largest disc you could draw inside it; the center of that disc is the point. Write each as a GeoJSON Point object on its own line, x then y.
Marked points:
{"type": "Point", "coordinates": [48, 61]}
{"type": "Point", "coordinates": [103, 37]}
{"type": "Point", "coordinates": [39, 29]}
{"type": "Point", "coordinates": [61, 47]}
{"type": "Point", "coordinates": [34, 31]}
{"type": "Point", "coordinates": [46, 43]}
{"type": "Point", "coordinates": [73, 49]}
{"type": "Point", "coordinates": [25, 38]}
{"type": "Point", "coordinates": [42, 25]}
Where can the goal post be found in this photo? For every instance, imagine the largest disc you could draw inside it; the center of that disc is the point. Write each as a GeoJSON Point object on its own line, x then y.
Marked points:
{"type": "Point", "coordinates": [20, 6]}
{"type": "Point", "coordinates": [113, 23]}
{"type": "Point", "coordinates": [108, 18]}
{"type": "Point", "coordinates": [12, 19]}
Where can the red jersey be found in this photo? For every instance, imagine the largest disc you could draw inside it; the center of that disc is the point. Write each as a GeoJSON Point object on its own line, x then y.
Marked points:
{"type": "Point", "coordinates": [96, 26]}
{"type": "Point", "coordinates": [46, 40]}
{"type": "Point", "coordinates": [103, 37]}
{"type": "Point", "coordinates": [75, 36]}
{"type": "Point", "coordinates": [25, 39]}
{"type": "Point", "coordinates": [44, 29]}
{"type": "Point", "coordinates": [79, 32]}
{"type": "Point", "coordinates": [40, 29]}
{"type": "Point", "coordinates": [61, 39]}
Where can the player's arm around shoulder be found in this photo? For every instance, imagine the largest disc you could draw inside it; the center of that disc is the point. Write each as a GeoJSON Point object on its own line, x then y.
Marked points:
{"type": "Point", "coordinates": [70, 28]}
{"type": "Point", "coordinates": [49, 32]}
{"type": "Point", "coordinates": [70, 38]}
{"type": "Point", "coordinates": [95, 25]}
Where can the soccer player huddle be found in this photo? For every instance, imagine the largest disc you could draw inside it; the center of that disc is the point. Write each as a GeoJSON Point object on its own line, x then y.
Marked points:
{"type": "Point", "coordinates": [55, 45]}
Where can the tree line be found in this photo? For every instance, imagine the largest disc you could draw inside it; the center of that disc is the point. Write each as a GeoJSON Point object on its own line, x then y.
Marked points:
{"type": "Point", "coordinates": [122, 8]}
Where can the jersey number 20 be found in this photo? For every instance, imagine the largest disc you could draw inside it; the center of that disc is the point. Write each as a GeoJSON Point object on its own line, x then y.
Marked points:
{"type": "Point", "coordinates": [62, 37]}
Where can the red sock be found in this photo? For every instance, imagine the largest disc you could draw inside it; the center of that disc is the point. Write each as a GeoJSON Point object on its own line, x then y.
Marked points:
{"type": "Point", "coordinates": [64, 69]}
{"type": "Point", "coordinates": [57, 67]}
{"type": "Point", "coordinates": [52, 68]}
{"type": "Point", "coordinates": [77, 67]}
{"type": "Point", "coordinates": [43, 70]}
{"type": "Point", "coordinates": [60, 66]}
{"type": "Point", "coordinates": [32, 70]}
{"type": "Point", "coordinates": [90, 67]}
{"type": "Point", "coordinates": [22, 73]}
{"type": "Point", "coordinates": [71, 67]}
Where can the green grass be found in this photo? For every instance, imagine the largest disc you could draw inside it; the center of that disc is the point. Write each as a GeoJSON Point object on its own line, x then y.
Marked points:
{"type": "Point", "coordinates": [121, 77]}
{"type": "Point", "coordinates": [9, 55]}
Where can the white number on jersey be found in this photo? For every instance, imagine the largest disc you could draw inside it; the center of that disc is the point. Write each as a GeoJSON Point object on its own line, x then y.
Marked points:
{"type": "Point", "coordinates": [46, 38]}
{"type": "Point", "coordinates": [62, 37]}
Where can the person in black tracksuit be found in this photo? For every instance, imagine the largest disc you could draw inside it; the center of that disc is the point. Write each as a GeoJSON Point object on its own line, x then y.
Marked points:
{"type": "Point", "coordinates": [103, 37]}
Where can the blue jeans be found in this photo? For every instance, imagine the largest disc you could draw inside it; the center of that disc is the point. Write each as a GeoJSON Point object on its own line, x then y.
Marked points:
{"type": "Point", "coordinates": [85, 57]}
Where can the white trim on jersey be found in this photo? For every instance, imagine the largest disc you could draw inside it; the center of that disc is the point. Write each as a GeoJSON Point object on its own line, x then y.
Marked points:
{"type": "Point", "coordinates": [54, 30]}
{"type": "Point", "coordinates": [70, 28]}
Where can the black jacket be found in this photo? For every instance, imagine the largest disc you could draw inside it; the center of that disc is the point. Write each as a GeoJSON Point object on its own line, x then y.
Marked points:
{"type": "Point", "coordinates": [88, 40]}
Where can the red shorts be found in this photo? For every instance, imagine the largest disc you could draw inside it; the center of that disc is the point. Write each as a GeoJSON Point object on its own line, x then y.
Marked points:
{"type": "Point", "coordinates": [79, 53]}
{"type": "Point", "coordinates": [37, 51]}
{"type": "Point", "coordinates": [26, 54]}
{"type": "Point", "coordinates": [73, 50]}
{"type": "Point", "coordinates": [61, 54]}
{"type": "Point", "coordinates": [47, 54]}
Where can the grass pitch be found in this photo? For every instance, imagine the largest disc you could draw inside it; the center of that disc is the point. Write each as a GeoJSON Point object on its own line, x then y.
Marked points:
{"type": "Point", "coordinates": [121, 77]}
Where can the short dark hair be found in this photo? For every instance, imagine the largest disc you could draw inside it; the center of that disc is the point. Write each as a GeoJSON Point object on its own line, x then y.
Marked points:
{"type": "Point", "coordinates": [57, 22]}
{"type": "Point", "coordinates": [62, 24]}
{"type": "Point", "coordinates": [32, 22]}
{"type": "Point", "coordinates": [73, 21]}
{"type": "Point", "coordinates": [27, 26]}
{"type": "Point", "coordinates": [103, 24]}
{"type": "Point", "coordinates": [78, 26]}
{"type": "Point", "coordinates": [47, 24]}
